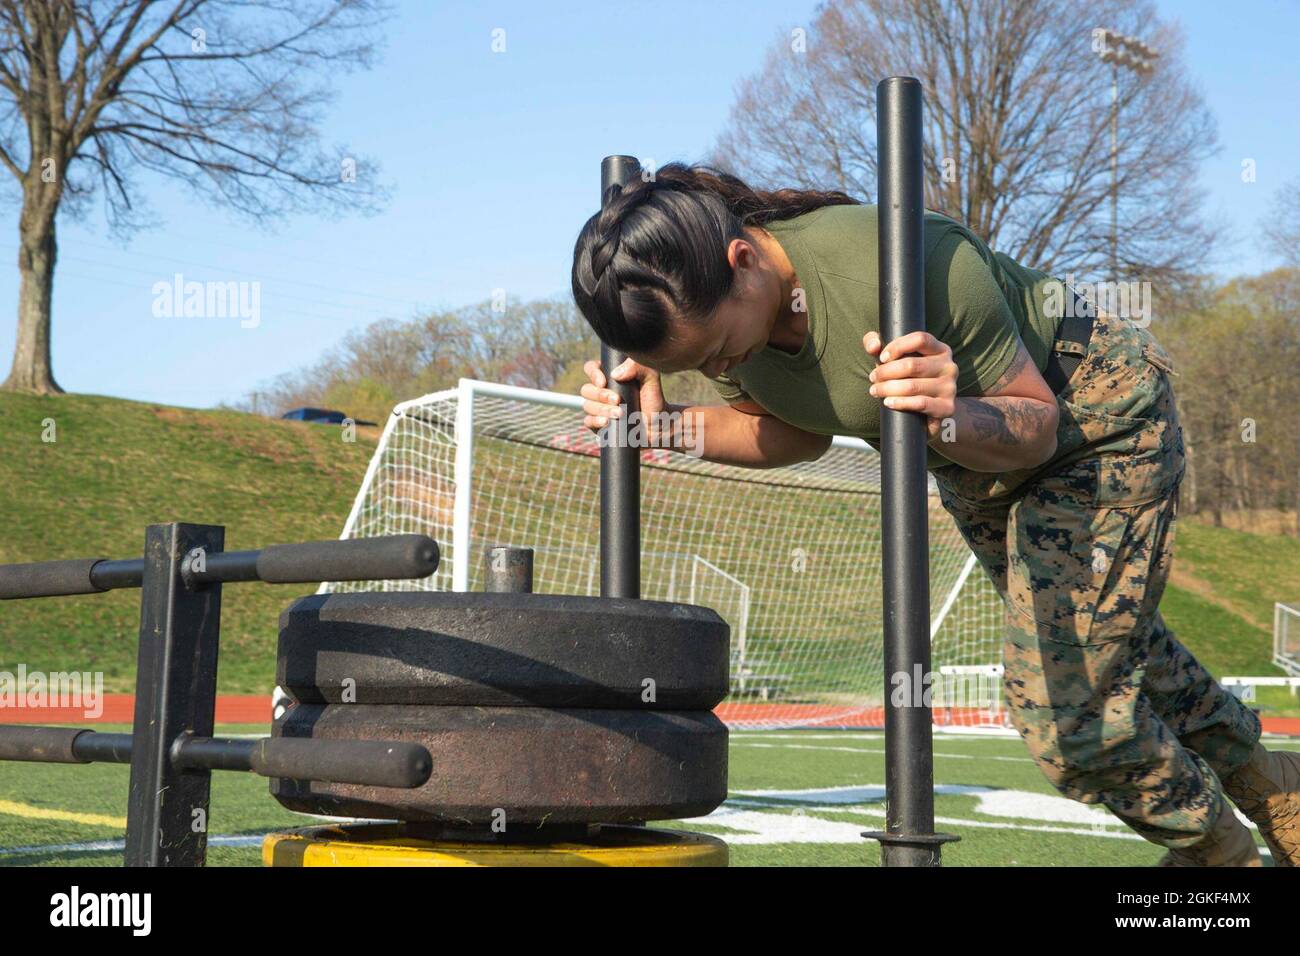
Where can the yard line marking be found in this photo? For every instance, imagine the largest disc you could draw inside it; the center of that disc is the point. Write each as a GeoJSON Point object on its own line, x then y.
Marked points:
{"type": "Point", "coordinates": [48, 813]}
{"type": "Point", "coordinates": [868, 750]}
{"type": "Point", "coordinates": [1018, 805]}
{"type": "Point", "coordinates": [94, 846]}
{"type": "Point", "coordinates": [801, 825]}
{"type": "Point", "coordinates": [104, 846]}
{"type": "Point", "coordinates": [834, 735]}
{"type": "Point", "coordinates": [1124, 834]}
{"type": "Point", "coordinates": [857, 735]}
{"type": "Point", "coordinates": [855, 793]}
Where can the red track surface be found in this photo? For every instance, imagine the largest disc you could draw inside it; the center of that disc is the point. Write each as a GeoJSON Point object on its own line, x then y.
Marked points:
{"type": "Point", "coordinates": [120, 709]}
{"type": "Point", "coordinates": [256, 709]}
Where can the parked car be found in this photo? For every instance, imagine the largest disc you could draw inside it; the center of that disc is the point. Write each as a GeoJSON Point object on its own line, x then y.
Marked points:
{"type": "Point", "coordinates": [319, 416]}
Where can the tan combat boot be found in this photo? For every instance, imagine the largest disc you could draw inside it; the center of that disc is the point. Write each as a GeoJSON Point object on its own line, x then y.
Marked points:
{"type": "Point", "coordinates": [1267, 789]}
{"type": "Point", "coordinates": [1228, 843]}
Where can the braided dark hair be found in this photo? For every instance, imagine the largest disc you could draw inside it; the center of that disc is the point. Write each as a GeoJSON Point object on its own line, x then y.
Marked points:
{"type": "Point", "coordinates": [658, 250]}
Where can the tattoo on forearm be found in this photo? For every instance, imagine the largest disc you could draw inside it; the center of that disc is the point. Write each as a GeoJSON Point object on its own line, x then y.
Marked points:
{"type": "Point", "coordinates": [1017, 366]}
{"type": "Point", "coordinates": [1004, 420]}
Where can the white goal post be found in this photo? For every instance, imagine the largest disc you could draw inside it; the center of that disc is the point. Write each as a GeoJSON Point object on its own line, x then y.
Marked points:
{"type": "Point", "coordinates": [1286, 637]}
{"type": "Point", "coordinates": [789, 556]}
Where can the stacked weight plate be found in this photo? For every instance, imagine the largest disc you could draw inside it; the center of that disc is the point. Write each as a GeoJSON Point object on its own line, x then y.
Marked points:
{"type": "Point", "coordinates": [538, 709]}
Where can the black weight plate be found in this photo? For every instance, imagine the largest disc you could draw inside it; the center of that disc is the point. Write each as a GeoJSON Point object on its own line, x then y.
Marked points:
{"type": "Point", "coordinates": [502, 649]}
{"type": "Point", "coordinates": [535, 765]}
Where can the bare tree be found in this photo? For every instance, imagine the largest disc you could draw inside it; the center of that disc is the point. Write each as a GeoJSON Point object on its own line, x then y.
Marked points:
{"type": "Point", "coordinates": [535, 344]}
{"type": "Point", "coordinates": [223, 95]}
{"type": "Point", "coordinates": [1236, 354]}
{"type": "Point", "coordinates": [1017, 135]}
{"type": "Point", "coordinates": [1282, 228]}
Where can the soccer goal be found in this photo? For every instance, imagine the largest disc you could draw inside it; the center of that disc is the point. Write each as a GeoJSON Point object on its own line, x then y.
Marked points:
{"type": "Point", "coordinates": [790, 557]}
{"type": "Point", "coordinates": [1286, 637]}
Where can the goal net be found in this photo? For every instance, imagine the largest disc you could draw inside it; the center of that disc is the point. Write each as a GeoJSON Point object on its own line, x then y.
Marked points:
{"type": "Point", "coordinates": [790, 557]}
{"type": "Point", "coordinates": [1286, 637]}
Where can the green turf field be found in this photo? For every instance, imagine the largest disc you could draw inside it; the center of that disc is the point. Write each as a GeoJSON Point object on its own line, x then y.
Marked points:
{"type": "Point", "coordinates": [798, 798]}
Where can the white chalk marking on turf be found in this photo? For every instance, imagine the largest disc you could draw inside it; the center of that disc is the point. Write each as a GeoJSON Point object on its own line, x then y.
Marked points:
{"type": "Point", "coordinates": [947, 733]}
{"type": "Point", "coordinates": [805, 735]}
{"type": "Point", "coordinates": [1113, 829]}
{"type": "Point", "coordinates": [990, 801]}
{"type": "Point", "coordinates": [873, 750]}
{"type": "Point", "coordinates": [850, 793]}
{"type": "Point", "coordinates": [800, 825]}
{"type": "Point", "coordinates": [1024, 805]}
{"type": "Point", "coordinates": [756, 827]}
{"type": "Point", "coordinates": [1104, 833]}
{"type": "Point", "coordinates": [104, 846]}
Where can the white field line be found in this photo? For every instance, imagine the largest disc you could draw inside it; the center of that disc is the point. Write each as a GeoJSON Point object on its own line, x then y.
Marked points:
{"type": "Point", "coordinates": [104, 846]}
{"type": "Point", "coordinates": [805, 735]}
{"type": "Point", "coordinates": [1273, 744]}
{"type": "Point", "coordinates": [796, 827]}
{"type": "Point", "coordinates": [874, 750]}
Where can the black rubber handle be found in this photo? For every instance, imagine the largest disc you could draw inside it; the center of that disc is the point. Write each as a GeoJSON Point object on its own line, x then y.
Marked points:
{"type": "Point", "coordinates": [47, 579]}
{"type": "Point", "coordinates": [40, 744]}
{"type": "Point", "coordinates": [357, 559]}
{"type": "Point", "coordinates": [375, 763]}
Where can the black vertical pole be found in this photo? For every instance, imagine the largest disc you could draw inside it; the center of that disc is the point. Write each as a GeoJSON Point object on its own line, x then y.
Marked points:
{"type": "Point", "coordinates": [175, 692]}
{"type": "Point", "coordinates": [620, 461]}
{"type": "Point", "coordinates": [909, 838]}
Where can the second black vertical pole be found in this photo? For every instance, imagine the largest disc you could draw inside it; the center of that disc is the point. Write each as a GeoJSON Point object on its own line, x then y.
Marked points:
{"type": "Point", "coordinates": [620, 461]}
{"type": "Point", "coordinates": [909, 838]}
{"type": "Point", "coordinates": [175, 693]}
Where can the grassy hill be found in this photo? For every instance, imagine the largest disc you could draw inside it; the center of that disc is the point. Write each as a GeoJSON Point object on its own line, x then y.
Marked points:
{"type": "Point", "coordinates": [1224, 585]}
{"type": "Point", "coordinates": [118, 465]}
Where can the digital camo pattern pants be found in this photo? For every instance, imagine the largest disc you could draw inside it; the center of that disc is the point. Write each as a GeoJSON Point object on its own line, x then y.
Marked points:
{"type": "Point", "coordinates": [1113, 708]}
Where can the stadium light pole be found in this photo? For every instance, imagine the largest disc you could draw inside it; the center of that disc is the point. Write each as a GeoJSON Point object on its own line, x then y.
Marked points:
{"type": "Point", "coordinates": [1132, 54]}
{"type": "Point", "coordinates": [908, 838]}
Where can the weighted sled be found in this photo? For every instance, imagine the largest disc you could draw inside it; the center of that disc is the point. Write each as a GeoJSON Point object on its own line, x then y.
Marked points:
{"type": "Point", "coordinates": [532, 765]}
{"type": "Point", "coordinates": [503, 649]}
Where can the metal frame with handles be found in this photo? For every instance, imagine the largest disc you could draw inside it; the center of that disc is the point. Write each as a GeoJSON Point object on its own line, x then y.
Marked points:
{"type": "Point", "coordinates": [172, 751]}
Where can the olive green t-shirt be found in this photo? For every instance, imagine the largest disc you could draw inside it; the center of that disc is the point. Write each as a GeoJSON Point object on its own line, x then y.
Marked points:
{"type": "Point", "coordinates": [980, 303]}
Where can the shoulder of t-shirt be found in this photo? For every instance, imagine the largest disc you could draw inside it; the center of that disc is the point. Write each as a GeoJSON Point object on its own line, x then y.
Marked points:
{"type": "Point", "coordinates": [827, 225]}
{"type": "Point", "coordinates": [836, 239]}
{"type": "Point", "coordinates": [839, 237]}
{"type": "Point", "coordinates": [980, 325]}
{"type": "Point", "coordinates": [943, 234]}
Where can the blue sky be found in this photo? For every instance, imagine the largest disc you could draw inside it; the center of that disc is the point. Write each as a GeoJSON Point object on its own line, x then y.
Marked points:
{"type": "Point", "coordinates": [494, 162]}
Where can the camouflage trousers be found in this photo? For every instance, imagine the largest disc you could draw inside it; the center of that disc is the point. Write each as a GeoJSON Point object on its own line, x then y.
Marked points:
{"type": "Point", "coordinates": [1114, 709]}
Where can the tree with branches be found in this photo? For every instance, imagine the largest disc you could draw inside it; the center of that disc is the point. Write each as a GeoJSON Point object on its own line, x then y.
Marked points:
{"type": "Point", "coordinates": [224, 96]}
{"type": "Point", "coordinates": [1017, 125]}
{"type": "Point", "coordinates": [1282, 228]}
